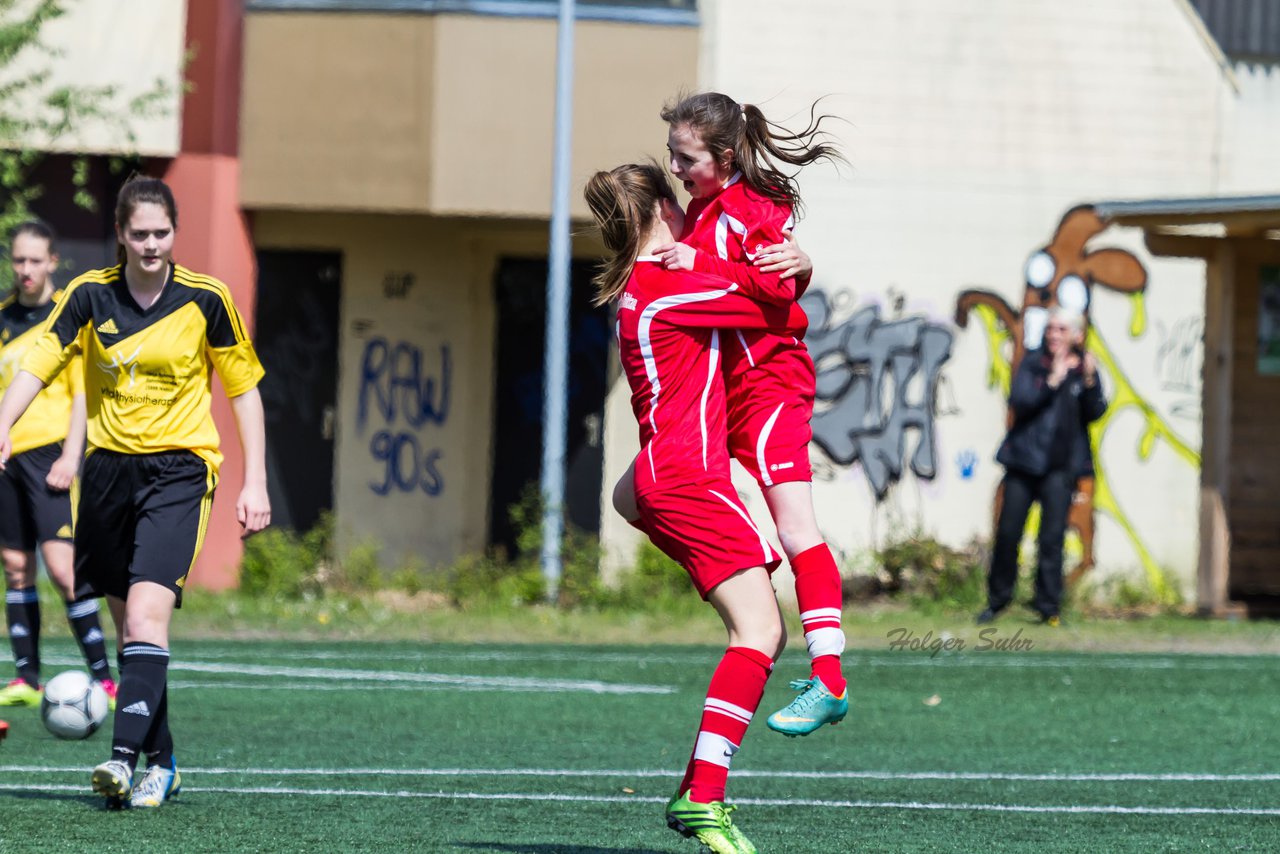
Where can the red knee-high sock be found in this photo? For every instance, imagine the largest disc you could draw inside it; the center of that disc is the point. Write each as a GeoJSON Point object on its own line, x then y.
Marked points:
{"type": "Point", "coordinates": [819, 596]}
{"type": "Point", "coordinates": [732, 698]}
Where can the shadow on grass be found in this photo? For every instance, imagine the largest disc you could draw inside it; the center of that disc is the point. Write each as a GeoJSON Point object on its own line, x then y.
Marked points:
{"type": "Point", "coordinates": [94, 801]}
{"type": "Point", "coordinates": [552, 848]}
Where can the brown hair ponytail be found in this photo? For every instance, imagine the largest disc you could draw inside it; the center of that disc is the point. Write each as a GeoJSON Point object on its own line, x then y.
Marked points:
{"type": "Point", "coordinates": [622, 202]}
{"type": "Point", "coordinates": [758, 145]}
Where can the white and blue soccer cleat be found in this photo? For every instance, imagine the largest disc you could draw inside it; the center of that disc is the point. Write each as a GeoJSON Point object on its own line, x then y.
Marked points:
{"type": "Point", "coordinates": [158, 785]}
{"type": "Point", "coordinates": [114, 780]}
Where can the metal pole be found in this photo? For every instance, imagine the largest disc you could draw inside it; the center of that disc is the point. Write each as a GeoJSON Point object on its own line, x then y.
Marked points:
{"type": "Point", "coordinates": [555, 365]}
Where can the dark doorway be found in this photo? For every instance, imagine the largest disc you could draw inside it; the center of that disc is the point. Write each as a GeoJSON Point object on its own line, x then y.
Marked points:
{"type": "Point", "coordinates": [297, 340]}
{"type": "Point", "coordinates": [520, 290]}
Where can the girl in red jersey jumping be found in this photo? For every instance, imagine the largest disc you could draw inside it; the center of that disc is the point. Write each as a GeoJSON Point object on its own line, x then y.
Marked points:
{"type": "Point", "coordinates": [670, 330]}
{"type": "Point", "coordinates": [743, 208]}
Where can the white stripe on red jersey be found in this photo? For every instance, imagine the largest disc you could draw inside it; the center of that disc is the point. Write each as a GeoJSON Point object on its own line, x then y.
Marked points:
{"type": "Point", "coordinates": [669, 346]}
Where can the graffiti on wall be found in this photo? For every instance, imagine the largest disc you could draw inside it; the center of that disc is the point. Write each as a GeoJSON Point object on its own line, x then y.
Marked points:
{"type": "Point", "coordinates": [1064, 273]}
{"type": "Point", "coordinates": [877, 383]}
{"type": "Point", "coordinates": [404, 396]}
{"type": "Point", "coordinates": [1178, 363]}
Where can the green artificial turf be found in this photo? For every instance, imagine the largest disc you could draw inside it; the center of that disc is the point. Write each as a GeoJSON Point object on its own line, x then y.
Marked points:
{"type": "Point", "coordinates": [355, 746]}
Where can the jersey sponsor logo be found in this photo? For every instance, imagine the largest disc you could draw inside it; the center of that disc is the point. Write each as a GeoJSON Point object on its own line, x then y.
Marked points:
{"type": "Point", "coordinates": [628, 301]}
{"type": "Point", "coordinates": [120, 364]}
{"type": "Point", "coordinates": [126, 398]}
{"type": "Point", "coordinates": [138, 708]}
{"type": "Point", "coordinates": [109, 328]}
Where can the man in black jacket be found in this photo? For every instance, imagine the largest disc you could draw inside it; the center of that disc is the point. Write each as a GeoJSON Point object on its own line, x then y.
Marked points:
{"type": "Point", "coordinates": [1054, 398]}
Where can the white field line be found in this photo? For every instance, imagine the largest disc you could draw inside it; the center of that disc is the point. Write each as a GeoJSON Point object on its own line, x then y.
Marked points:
{"type": "Point", "coordinates": [320, 686]}
{"type": "Point", "coordinates": [1110, 809]}
{"type": "Point", "coordinates": [958, 776]}
{"type": "Point", "coordinates": [452, 680]}
{"type": "Point", "coordinates": [1138, 661]}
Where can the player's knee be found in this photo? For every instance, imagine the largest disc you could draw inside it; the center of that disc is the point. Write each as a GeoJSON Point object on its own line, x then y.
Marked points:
{"type": "Point", "coordinates": [798, 536]}
{"type": "Point", "coordinates": [17, 571]}
{"type": "Point", "coordinates": [65, 588]}
{"type": "Point", "coordinates": [768, 635]}
{"type": "Point", "coordinates": [146, 628]}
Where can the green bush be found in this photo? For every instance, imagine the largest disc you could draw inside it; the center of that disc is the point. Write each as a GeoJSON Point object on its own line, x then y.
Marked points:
{"type": "Point", "coordinates": [1130, 594]}
{"type": "Point", "coordinates": [280, 564]}
{"type": "Point", "coordinates": [934, 575]}
{"type": "Point", "coordinates": [655, 581]}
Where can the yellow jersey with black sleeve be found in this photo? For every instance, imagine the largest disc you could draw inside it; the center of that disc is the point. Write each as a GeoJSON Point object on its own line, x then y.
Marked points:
{"type": "Point", "coordinates": [47, 419]}
{"type": "Point", "coordinates": [147, 371]}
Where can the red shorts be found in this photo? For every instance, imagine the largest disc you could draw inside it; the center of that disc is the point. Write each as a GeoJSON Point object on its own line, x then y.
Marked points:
{"type": "Point", "coordinates": [704, 528]}
{"type": "Point", "coordinates": [769, 408]}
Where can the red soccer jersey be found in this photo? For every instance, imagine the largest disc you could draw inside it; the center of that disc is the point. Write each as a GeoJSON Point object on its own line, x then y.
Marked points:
{"type": "Point", "coordinates": [728, 231]}
{"type": "Point", "coordinates": [668, 330]}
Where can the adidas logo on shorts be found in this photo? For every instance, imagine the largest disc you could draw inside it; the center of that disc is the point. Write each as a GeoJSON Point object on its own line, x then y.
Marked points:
{"type": "Point", "coordinates": [138, 708]}
{"type": "Point", "coordinates": [64, 533]}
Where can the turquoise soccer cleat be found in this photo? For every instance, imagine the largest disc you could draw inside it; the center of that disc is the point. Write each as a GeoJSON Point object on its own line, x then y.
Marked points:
{"type": "Point", "coordinates": [814, 706]}
{"type": "Point", "coordinates": [709, 823]}
{"type": "Point", "coordinates": [158, 785]}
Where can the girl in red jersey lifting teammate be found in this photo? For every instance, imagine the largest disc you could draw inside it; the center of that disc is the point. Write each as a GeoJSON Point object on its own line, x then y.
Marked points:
{"type": "Point", "coordinates": [669, 336]}
{"type": "Point", "coordinates": [743, 208]}
{"type": "Point", "coordinates": [150, 332]}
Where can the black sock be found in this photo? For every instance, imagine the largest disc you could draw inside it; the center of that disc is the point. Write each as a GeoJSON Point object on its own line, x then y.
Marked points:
{"type": "Point", "coordinates": [22, 609]}
{"type": "Point", "coordinates": [144, 670]}
{"type": "Point", "coordinates": [159, 743]}
{"type": "Point", "coordinates": [85, 625]}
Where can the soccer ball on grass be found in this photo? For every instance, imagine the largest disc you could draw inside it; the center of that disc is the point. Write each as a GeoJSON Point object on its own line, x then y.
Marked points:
{"type": "Point", "coordinates": [74, 706]}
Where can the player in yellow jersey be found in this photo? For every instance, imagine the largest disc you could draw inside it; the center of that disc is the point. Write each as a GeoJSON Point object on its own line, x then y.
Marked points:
{"type": "Point", "coordinates": [35, 498]}
{"type": "Point", "coordinates": [150, 332]}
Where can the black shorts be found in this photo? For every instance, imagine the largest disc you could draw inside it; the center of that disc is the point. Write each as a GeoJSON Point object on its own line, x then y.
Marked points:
{"type": "Point", "coordinates": [141, 517]}
{"type": "Point", "coordinates": [30, 512]}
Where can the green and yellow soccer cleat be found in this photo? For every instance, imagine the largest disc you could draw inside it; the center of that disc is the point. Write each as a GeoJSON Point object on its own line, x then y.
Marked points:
{"type": "Point", "coordinates": [114, 780]}
{"type": "Point", "coordinates": [814, 706]}
{"type": "Point", "coordinates": [709, 823]}
{"type": "Point", "coordinates": [158, 785]}
{"type": "Point", "coordinates": [19, 693]}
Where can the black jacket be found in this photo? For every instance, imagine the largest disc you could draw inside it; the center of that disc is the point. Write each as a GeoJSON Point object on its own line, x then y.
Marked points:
{"type": "Point", "coordinates": [1038, 410]}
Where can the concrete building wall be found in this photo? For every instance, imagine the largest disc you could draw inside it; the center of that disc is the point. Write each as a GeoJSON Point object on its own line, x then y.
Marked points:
{"type": "Point", "coordinates": [1251, 159]}
{"type": "Point", "coordinates": [129, 46]}
{"type": "Point", "coordinates": [443, 114]}
{"type": "Point", "coordinates": [971, 129]}
{"type": "Point", "coordinates": [416, 373]}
